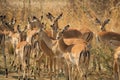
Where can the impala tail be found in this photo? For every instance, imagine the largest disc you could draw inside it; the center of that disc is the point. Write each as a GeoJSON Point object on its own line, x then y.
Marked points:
{"type": "Point", "coordinates": [84, 59]}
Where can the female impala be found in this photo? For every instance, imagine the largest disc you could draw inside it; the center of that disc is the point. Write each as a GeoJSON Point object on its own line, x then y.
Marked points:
{"type": "Point", "coordinates": [108, 37]}
{"type": "Point", "coordinates": [31, 33]}
{"type": "Point", "coordinates": [116, 65]}
{"type": "Point", "coordinates": [2, 46]}
{"type": "Point", "coordinates": [17, 37]}
{"type": "Point", "coordinates": [3, 28]}
{"type": "Point", "coordinates": [53, 45]}
{"type": "Point", "coordinates": [112, 39]}
{"type": "Point", "coordinates": [54, 26]}
{"type": "Point", "coordinates": [23, 52]}
{"type": "Point", "coordinates": [74, 54]}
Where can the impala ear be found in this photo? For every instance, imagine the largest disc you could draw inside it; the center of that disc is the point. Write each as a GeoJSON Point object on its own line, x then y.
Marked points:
{"type": "Point", "coordinates": [18, 28]}
{"type": "Point", "coordinates": [25, 29]}
{"type": "Point", "coordinates": [34, 17]}
{"type": "Point", "coordinates": [61, 14]}
{"type": "Point", "coordinates": [13, 21]}
{"type": "Point", "coordinates": [98, 21]}
{"type": "Point", "coordinates": [28, 19]}
{"type": "Point", "coordinates": [43, 28]}
{"type": "Point", "coordinates": [104, 23]}
{"type": "Point", "coordinates": [50, 16]}
{"type": "Point", "coordinates": [41, 17]}
{"type": "Point", "coordinates": [58, 17]}
{"type": "Point", "coordinates": [65, 28]}
{"type": "Point", "coordinates": [2, 17]}
{"type": "Point", "coordinates": [51, 26]}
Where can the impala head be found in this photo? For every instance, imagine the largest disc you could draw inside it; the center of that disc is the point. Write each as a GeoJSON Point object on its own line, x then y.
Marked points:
{"type": "Point", "coordinates": [55, 26]}
{"type": "Point", "coordinates": [41, 31]}
{"type": "Point", "coordinates": [8, 27]}
{"type": "Point", "coordinates": [29, 23]}
{"type": "Point", "coordinates": [35, 23]}
{"type": "Point", "coordinates": [43, 28]}
{"type": "Point", "coordinates": [22, 34]}
{"type": "Point", "coordinates": [41, 17]}
{"type": "Point", "coordinates": [13, 21]}
{"type": "Point", "coordinates": [58, 17]}
{"type": "Point", "coordinates": [35, 19]}
{"type": "Point", "coordinates": [102, 24]}
{"type": "Point", "coordinates": [2, 17]}
{"type": "Point", "coordinates": [60, 33]}
{"type": "Point", "coordinates": [50, 16]}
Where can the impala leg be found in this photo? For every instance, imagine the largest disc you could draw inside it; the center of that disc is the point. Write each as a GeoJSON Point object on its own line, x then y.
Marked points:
{"type": "Point", "coordinates": [59, 67]}
{"type": "Point", "coordinates": [70, 74]}
{"type": "Point", "coordinates": [116, 76]}
{"type": "Point", "coordinates": [99, 65]}
{"type": "Point", "coordinates": [94, 63]}
{"type": "Point", "coordinates": [4, 56]}
{"type": "Point", "coordinates": [67, 74]}
{"type": "Point", "coordinates": [24, 74]}
{"type": "Point", "coordinates": [51, 68]}
{"type": "Point", "coordinates": [46, 63]}
{"type": "Point", "coordinates": [6, 69]}
{"type": "Point", "coordinates": [13, 62]}
{"type": "Point", "coordinates": [116, 70]}
{"type": "Point", "coordinates": [98, 61]}
{"type": "Point", "coordinates": [18, 71]}
{"type": "Point", "coordinates": [55, 66]}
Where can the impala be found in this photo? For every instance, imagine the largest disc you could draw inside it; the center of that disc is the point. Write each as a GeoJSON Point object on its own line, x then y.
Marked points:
{"type": "Point", "coordinates": [31, 34]}
{"type": "Point", "coordinates": [53, 45]}
{"type": "Point", "coordinates": [50, 43]}
{"type": "Point", "coordinates": [54, 26]}
{"type": "Point", "coordinates": [17, 37]}
{"type": "Point", "coordinates": [107, 37]}
{"type": "Point", "coordinates": [48, 52]}
{"type": "Point", "coordinates": [3, 33]}
{"type": "Point", "coordinates": [75, 55]}
{"type": "Point", "coordinates": [2, 46]}
{"type": "Point", "coordinates": [23, 51]}
{"type": "Point", "coordinates": [33, 28]}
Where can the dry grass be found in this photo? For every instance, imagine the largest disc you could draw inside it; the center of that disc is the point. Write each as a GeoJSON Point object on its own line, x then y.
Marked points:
{"type": "Point", "coordinates": [77, 14]}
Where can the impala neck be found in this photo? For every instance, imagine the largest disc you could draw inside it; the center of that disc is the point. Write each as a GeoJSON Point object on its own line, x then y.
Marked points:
{"type": "Point", "coordinates": [62, 44]}
{"type": "Point", "coordinates": [54, 30]}
{"type": "Point", "coordinates": [46, 39]}
{"type": "Point", "coordinates": [54, 33]}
